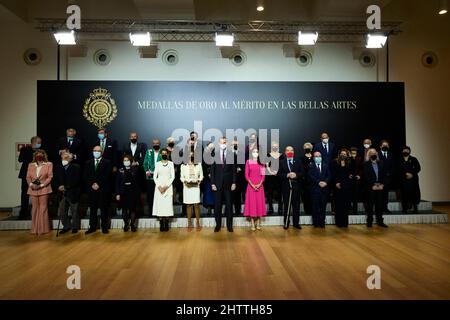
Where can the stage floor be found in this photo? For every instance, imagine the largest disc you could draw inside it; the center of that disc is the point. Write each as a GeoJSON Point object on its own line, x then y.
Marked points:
{"type": "Point", "coordinates": [269, 264]}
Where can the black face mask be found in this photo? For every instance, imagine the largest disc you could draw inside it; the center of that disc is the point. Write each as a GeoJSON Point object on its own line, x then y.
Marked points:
{"type": "Point", "coordinates": [164, 156]}
{"type": "Point", "coordinates": [156, 147]}
{"type": "Point", "coordinates": [235, 147]}
{"type": "Point", "coordinates": [192, 138]}
{"type": "Point", "coordinates": [307, 150]}
{"type": "Point", "coordinates": [373, 157]}
{"type": "Point", "coordinates": [405, 154]}
{"type": "Point", "coordinates": [133, 140]}
{"type": "Point", "coordinates": [385, 149]}
{"type": "Point", "coordinates": [171, 144]}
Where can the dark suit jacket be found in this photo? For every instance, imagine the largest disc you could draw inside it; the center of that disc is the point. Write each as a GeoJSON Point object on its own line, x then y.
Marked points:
{"type": "Point", "coordinates": [283, 170]}
{"type": "Point", "coordinates": [223, 176]}
{"type": "Point", "coordinates": [315, 176]}
{"type": "Point", "coordinates": [120, 180]}
{"type": "Point", "coordinates": [327, 157]}
{"type": "Point", "coordinates": [111, 151]}
{"type": "Point", "coordinates": [139, 155]}
{"type": "Point", "coordinates": [370, 177]}
{"type": "Point", "coordinates": [390, 164]}
{"type": "Point", "coordinates": [102, 176]}
{"type": "Point", "coordinates": [25, 157]}
{"type": "Point", "coordinates": [76, 148]}
{"type": "Point", "coordinates": [70, 178]}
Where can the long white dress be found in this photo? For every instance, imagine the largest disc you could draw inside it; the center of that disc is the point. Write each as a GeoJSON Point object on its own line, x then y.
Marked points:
{"type": "Point", "coordinates": [162, 202]}
{"type": "Point", "coordinates": [191, 192]}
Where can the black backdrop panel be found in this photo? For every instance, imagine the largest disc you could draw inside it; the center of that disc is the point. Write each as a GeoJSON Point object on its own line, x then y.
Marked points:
{"type": "Point", "coordinates": [348, 111]}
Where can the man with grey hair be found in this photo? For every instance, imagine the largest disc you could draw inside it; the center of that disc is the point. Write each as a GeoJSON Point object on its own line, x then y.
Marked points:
{"type": "Point", "coordinates": [68, 178]}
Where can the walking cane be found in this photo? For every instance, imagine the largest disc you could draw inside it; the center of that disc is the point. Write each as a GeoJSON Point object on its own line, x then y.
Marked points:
{"type": "Point", "coordinates": [62, 209]}
{"type": "Point", "coordinates": [286, 224]}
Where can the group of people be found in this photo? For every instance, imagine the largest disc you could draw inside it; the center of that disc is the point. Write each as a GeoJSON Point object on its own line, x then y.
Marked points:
{"type": "Point", "coordinates": [321, 174]}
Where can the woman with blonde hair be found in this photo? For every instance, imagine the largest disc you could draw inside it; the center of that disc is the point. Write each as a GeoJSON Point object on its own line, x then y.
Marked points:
{"type": "Point", "coordinates": [39, 176]}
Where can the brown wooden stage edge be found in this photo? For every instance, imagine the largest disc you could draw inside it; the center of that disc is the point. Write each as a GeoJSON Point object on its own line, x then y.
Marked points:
{"type": "Point", "coordinates": [271, 264]}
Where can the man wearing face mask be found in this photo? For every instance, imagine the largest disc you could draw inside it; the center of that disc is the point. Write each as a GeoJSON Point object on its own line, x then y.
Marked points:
{"type": "Point", "coordinates": [374, 178]}
{"type": "Point", "coordinates": [152, 156]}
{"type": "Point", "coordinates": [389, 163]}
{"type": "Point", "coordinates": [326, 148]}
{"type": "Point", "coordinates": [136, 149]}
{"type": "Point", "coordinates": [290, 173]}
{"type": "Point", "coordinates": [223, 182]}
{"type": "Point", "coordinates": [319, 178]}
{"type": "Point", "coordinates": [367, 144]}
{"type": "Point", "coordinates": [26, 157]}
{"type": "Point", "coordinates": [68, 178]}
{"type": "Point", "coordinates": [409, 169]}
{"type": "Point", "coordinates": [97, 178]}
{"type": "Point", "coordinates": [70, 143]}
{"type": "Point", "coordinates": [108, 147]}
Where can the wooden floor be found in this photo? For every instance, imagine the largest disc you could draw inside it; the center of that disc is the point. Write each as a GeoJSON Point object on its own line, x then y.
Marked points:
{"type": "Point", "coordinates": [269, 264]}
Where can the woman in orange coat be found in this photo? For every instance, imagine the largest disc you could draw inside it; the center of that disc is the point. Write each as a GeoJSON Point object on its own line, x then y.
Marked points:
{"type": "Point", "coordinates": [39, 176]}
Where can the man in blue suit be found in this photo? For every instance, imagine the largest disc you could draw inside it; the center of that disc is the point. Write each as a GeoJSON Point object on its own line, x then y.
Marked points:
{"type": "Point", "coordinates": [326, 148]}
{"type": "Point", "coordinates": [319, 178]}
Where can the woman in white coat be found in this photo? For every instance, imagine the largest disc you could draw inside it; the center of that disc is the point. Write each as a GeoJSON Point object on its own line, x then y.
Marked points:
{"type": "Point", "coordinates": [163, 176]}
{"type": "Point", "coordinates": [191, 175]}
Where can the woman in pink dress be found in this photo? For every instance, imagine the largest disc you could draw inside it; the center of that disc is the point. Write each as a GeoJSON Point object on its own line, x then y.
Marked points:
{"type": "Point", "coordinates": [255, 201]}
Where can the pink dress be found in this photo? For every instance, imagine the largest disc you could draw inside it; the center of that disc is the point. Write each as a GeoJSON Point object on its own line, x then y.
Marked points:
{"type": "Point", "coordinates": [255, 201]}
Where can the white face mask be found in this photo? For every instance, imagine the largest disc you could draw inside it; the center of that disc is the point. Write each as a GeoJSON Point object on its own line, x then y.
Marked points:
{"type": "Point", "coordinates": [325, 140]}
{"type": "Point", "coordinates": [366, 146]}
{"type": "Point", "coordinates": [255, 155]}
{"type": "Point", "coordinates": [223, 146]}
{"type": "Point", "coordinates": [126, 163]}
{"type": "Point", "coordinates": [65, 162]}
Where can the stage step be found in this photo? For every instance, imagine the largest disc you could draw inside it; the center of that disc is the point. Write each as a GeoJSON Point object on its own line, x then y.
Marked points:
{"type": "Point", "coordinates": [429, 217]}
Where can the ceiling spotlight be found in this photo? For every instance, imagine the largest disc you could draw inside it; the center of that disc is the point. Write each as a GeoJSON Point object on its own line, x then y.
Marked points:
{"type": "Point", "coordinates": [375, 41]}
{"type": "Point", "coordinates": [443, 6]}
{"type": "Point", "coordinates": [140, 39]}
{"type": "Point", "coordinates": [307, 38]}
{"type": "Point", "coordinates": [65, 37]}
{"type": "Point", "coordinates": [260, 5]}
{"type": "Point", "coordinates": [224, 39]}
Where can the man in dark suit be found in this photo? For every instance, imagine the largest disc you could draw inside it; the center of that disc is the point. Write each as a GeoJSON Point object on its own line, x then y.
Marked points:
{"type": "Point", "coordinates": [374, 179]}
{"type": "Point", "coordinates": [135, 149]}
{"type": "Point", "coordinates": [97, 177]}
{"type": "Point", "coordinates": [26, 157]}
{"type": "Point", "coordinates": [367, 144]}
{"type": "Point", "coordinates": [389, 163]}
{"type": "Point", "coordinates": [241, 184]}
{"type": "Point", "coordinates": [290, 172]}
{"type": "Point", "coordinates": [68, 179]}
{"type": "Point", "coordinates": [108, 147]}
{"type": "Point", "coordinates": [70, 143]}
{"type": "Point", "coordinates": [319, 178]}
{"type": "Point", "coordinates": [223, 182]}
{"type": "Point", "coordinates": [326, 148]}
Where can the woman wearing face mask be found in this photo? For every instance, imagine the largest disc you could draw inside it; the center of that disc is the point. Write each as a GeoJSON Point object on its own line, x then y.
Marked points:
{"type": "Point", "coordinates": [306, 159]}
{"type": "Point", "coordinates": [162, 204]}
{"type": "Point", "coordinates": [255, 203]}
{"type": "Point", "coordinates": [273, 183]}
{"type": "Point", "coordinates": [191, 175]}
{"type": "Point", "coordinates": [39, 176]}
{"type": "Point", "coordinates": [342, 182]}
{"type": "Point", "coordinates": [128, 192]}
{"type": "Point", "coordinates": [409, 180]}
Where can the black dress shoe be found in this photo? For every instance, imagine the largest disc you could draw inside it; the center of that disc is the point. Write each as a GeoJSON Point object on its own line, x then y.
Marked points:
{"type": "Point", "coordinates": [126, 228]}
{"type": "Point", "coordinates": [382, 224]}
{"type": "Point", "coordinates": [74, 230]}
{"type": "Point", "coordinates": [297, 226]}
{"type": "Point", "coordinates": [216, 229]}
{"type": "Point", "coordinates": [133, 229]}
{"type": "Point", "coordinates": [90, 231]}
{"type": "Point", "coordinates": [105, 231]}
{"type": "Point", "coordinates": [285, 228]}
{"type": "Point", "coordinates": [369, 224]}
{"type": "Point", "coordinates": [63, 231]}
{"type": "Point", "coordinates": [230, 229]}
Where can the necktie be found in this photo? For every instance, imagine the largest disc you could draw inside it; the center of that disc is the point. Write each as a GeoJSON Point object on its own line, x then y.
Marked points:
{"type": "Point", "coordinates": [290, 164]}
{"type": "Point", "coordinates": [318, 167]}
{"type": "Point", "coordinates": [223, 158]}
{"type": "Point", "coordinates": [96, 164]}
{"type": "Point", "coordinates": [102, 145]}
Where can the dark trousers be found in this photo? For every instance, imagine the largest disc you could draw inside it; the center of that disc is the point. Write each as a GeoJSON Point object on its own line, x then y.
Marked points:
{"type": "Point", "coordinates": [150, 196]}
{"type": "Point", "coordinates": [343, 203]}
{"type": "Point", "coordinates": [318, 206]}
{"type": "Point", "coordinates": [375, 198]}
{"type": "Point", "coordinates": [385, 196]}
{"type": "Point", "coordinates": [295, 207]}
{"type": "Point", "coordinates": [63, 210]}
{"type": "Point", "coordinates": [98, 200]}
{"type": "Point", "coordinates": [237, 198]}
{"type": "Point", "coordinates": [24, 198]}
{"type": "Point", "coordinates": [306, 198]}
{"type": "Point", "coordinates": [220, 195]}
{"type": "Point", "coordinates": [356, 195]}
{"type": "Point", "coordinates": [128, 216]}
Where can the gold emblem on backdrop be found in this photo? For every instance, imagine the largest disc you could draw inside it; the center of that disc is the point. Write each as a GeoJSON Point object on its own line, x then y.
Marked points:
{"type": "Point", "coordinates": [100, 109]}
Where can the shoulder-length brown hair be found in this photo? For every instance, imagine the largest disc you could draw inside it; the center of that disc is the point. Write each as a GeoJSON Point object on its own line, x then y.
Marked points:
{"type": "Point", "coordinates": [40, 151]}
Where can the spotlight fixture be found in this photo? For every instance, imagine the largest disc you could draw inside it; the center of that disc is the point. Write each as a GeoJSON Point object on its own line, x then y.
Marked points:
{"type": "Point", "coordinates": [65, 37]}
{"type": "Point", "coordinates": [307, 38]}
{"type": "Point", "coordinates": [260, 5]}
{"type": "Point", "coordinates": [140, 39]}
{"type": "Point", "coordinates": [224, 39]}
{"type": "Point", "coordinates": [375, 41]}
{"type": "Point", "coordinates": [443, 6]}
